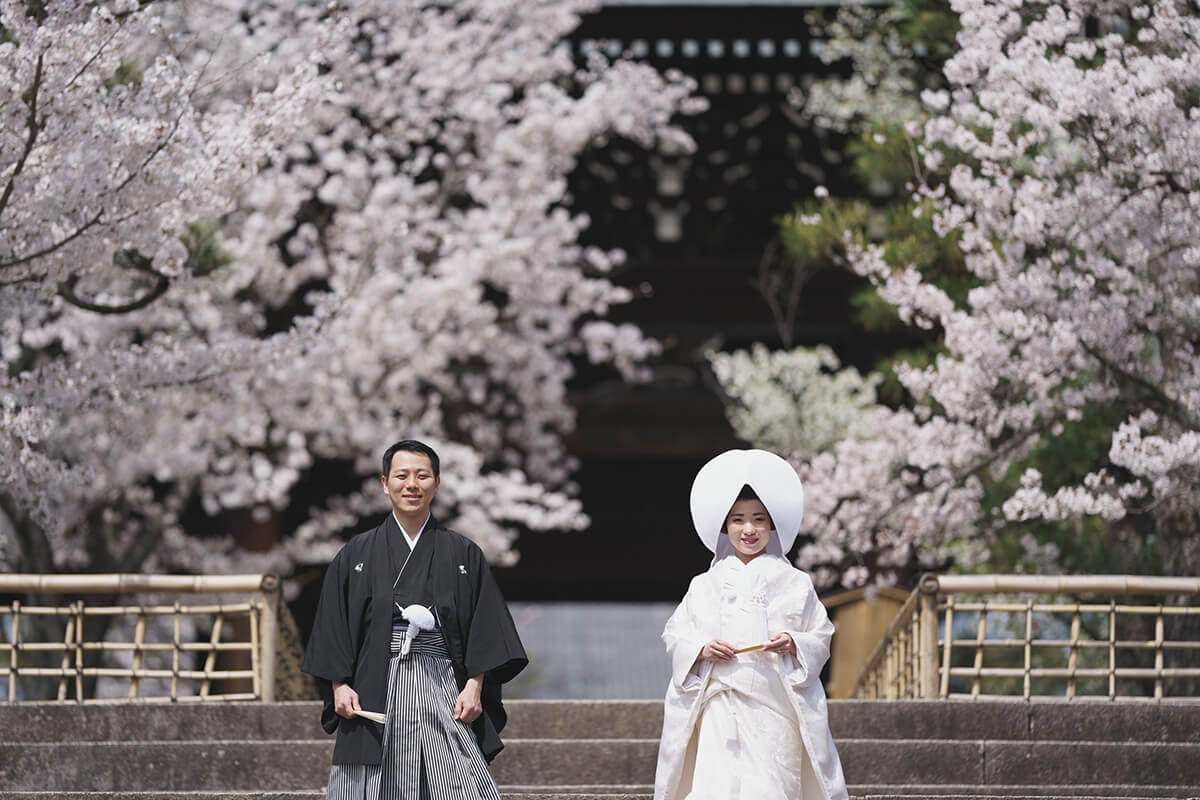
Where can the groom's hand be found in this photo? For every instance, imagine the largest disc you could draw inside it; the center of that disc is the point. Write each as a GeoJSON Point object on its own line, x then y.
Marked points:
{"type": "Point", "coordinates": [468, 706]}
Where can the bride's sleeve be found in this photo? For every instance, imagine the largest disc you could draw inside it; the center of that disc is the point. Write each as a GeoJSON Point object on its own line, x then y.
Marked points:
{"type": "Point", "coordinates": [684, 642]}
{"type": "Point", "coordinates": [811, 630]}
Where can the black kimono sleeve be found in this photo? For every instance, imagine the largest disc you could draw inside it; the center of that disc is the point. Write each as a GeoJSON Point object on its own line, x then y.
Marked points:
{"type": "Point", "coordinates": [493, 647]}
{"type": "Point", "coordinates": [330, 656]}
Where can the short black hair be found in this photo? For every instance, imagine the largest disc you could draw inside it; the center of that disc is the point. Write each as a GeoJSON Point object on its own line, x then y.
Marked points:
{"type": "Point", "coordinates": [412, 446]}
{"type": "Point", "coordinates": [745, 494]}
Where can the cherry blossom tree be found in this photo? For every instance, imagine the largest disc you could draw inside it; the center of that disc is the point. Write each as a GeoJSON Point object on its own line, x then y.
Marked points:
{"type": "Point", "coordinates": [1073, 201]}
{"type": "Point", "coordinates": [361, 233]}
{"type": "Point", "coordinates": [800, 401]}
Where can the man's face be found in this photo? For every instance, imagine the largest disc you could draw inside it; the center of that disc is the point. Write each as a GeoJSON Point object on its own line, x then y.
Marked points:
{"type": "Point", "coordinates": [410, 484]}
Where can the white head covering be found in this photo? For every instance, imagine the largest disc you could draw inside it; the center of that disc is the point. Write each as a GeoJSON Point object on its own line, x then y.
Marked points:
{"type": "Point", "coordinates": [717, 486]}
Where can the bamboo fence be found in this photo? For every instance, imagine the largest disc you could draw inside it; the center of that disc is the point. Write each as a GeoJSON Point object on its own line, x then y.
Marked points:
{"type": "Point", "coordinates": [157, 662]}
{"type": "Point", "coordinates": [1051, 646]}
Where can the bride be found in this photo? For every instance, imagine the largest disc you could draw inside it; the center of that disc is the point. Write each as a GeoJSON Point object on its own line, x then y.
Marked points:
{"type": "Point", "coordinates": [745, 715]}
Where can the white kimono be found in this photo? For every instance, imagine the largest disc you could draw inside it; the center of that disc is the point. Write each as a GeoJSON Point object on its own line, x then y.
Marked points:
{"type": "Point", "coordinates": [756, 728]}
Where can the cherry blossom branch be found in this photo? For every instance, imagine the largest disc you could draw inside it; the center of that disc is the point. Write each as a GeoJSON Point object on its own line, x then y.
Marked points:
{"type": "Point", "coordinates": [33, 126]}
{"type": "Point", "coordinates": [771, 285]}
{"type": "Point", "coordinates": [137, 262]}
{"type": "Point", "coordinates": [100, 48]}
{"type": "Point", "coordinates": [1174, 408]}
{"type": "Point", "coordinates": [957, 477]}
{"type": "Point", "coordinates": [50, 248]}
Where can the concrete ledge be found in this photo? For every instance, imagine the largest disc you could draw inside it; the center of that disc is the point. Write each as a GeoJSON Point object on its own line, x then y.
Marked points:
{"type": "Point", "coordinates": [1069, 767]}
{"type": "Point", "coordinates": [592, 719]}
{"type": "Point", "coordinates": [929, 719]}
{"type": "Point", "coordinates": [507, 795]}
{"type": "Point", "coordinates": [575, 790]}
{"type": "Point", "coordinates": [1083, 763]}
{"type": "Point", "coordinates": [160, 722]}
{"type": "Point", "coordinates": [1119, 722]}
{"type": "Point", "coordinates": [1055, 795]}
{"type": "Point", "coordinates": [309, 795]}
{"type": "Point", "coordinates": [607, 749]}
{"type": "Point", "coordinates": [558, 762]}
{"type": "Point", "coordinates": [645, 793]}
{"type": "Point", "coordinates": [165, 766]}
{"type": "Point", "coordinates": [898, 762]}
{"type": "Point", "coordinates": [1042, 720]}
{"type": "Point", "coordinates": [1113, 792]}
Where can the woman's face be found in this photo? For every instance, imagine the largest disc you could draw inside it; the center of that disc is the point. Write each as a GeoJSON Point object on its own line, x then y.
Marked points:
{"type": "Point", "coordinates": [749, 528]}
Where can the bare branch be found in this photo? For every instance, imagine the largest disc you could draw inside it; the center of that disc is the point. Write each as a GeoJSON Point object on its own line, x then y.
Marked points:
{"type": "Point", "coordinates": [957, 477]}
{"type": "Point", "coordinates": [33, 125]}
{"type": "Point", "coordinates": [96, 218]}
{"type": "Point", "coordinates": [48, 249]}
{"type": "Point", "coordinates": [1174, 408]}
{"type": "Point", "coordinates": [138, 263]}
{"type": "Point", "coordinates": [781, 281]}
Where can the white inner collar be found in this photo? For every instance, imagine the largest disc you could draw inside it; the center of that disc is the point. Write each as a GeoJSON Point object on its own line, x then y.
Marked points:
{"type": "Point", "coordinates": [412, 540]}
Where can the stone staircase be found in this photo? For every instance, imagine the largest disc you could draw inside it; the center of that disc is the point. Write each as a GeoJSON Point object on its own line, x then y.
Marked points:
{"type": "Point", "coordinates": [605, 750]}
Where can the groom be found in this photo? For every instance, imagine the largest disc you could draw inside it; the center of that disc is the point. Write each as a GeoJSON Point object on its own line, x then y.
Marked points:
{"type": "Point", "coordinates": [353, 651]}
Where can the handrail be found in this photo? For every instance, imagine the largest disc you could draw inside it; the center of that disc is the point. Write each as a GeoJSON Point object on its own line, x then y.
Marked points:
{"type": "Point", "coordinates": [121, 583]}
{"type": "Point", "coordinates": [260, 613]}
{"type": "Point", "coordinates": [906, 661]}
{"type": "Point", "coordinates": [1060, 584]}
{"type": "Point", "coordinates": [871, 668]}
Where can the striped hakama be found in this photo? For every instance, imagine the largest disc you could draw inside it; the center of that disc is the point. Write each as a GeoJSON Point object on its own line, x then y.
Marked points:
{"type": "Point", "coordinates": [427, 754]}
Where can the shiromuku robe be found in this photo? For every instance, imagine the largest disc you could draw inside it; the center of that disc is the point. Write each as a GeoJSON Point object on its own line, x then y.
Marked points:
{"type": "Point", "coordinates": [744, 605]}
{"type": "Point", "coordinates": [351, 635]}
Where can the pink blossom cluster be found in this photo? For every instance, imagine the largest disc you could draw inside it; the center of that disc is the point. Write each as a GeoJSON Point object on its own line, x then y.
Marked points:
{"type": "Point", "coordinates": [403, 261]}
{"type": "Point", "coordinates": [875, 505]}
{"type": "Point", "coordinates": [1076, 203]}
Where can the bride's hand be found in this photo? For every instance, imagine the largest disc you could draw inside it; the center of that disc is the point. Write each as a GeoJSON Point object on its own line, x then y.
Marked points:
{"type": "Point", "coordinates": [716, 650]}
{"type": "Point", "coordinates": [781, 643]}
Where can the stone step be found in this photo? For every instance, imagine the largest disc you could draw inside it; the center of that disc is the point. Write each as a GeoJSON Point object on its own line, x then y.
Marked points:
{"type": "Point", "coordinates": [1022, 793]}
{"type": "Point", "coordinates": [229, 765]}
{"type": "Point", "coordinates": [958, 792]}
{"type": "Point", "coordinates": [1175, 721]}
{"type": "Point", "coordinates": [646, 792]}
{"type": "Point", "coordinates": [318, 795]}
{"type": "Point", "coordinates": [160, 722]}
{"type": "Point", "coordinates": [534, 793]}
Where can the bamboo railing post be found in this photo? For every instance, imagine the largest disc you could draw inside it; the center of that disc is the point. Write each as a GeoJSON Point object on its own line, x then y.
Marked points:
{"type": "Point", "coordinates": [65, 661]}
{"type": "Point", "coordinates": [175, 655]}
{"type": "Point", "coordinates": [255, 649]}
{"type": "Point", "coordinates": [139, 638]}
{"type": "Point", "coordinates": [927, 654]}
{"type": "Point", "coordinates": [268, 634]}
{"type": "Point", "coordinates": [1112, 650]}
{"type": "Point", "coordinates": [980, 634]}
{"type": "Point", "coordinates": [14, 651]}
{"type": "Point", "coordinates": [1028, 683]}
{"type": "Point", "coordinates": [79, 665]}
{"type": "Point", "coordinates": [1073, 652]}
{"type": "Point", "coordinates": [889, 691]}
{"type": "Point", "coordinates": [1158, 654]}
{"type": "Point", "coordinates": [211, 660]}
{"type": "Point", "coordinates": [944, 689]}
